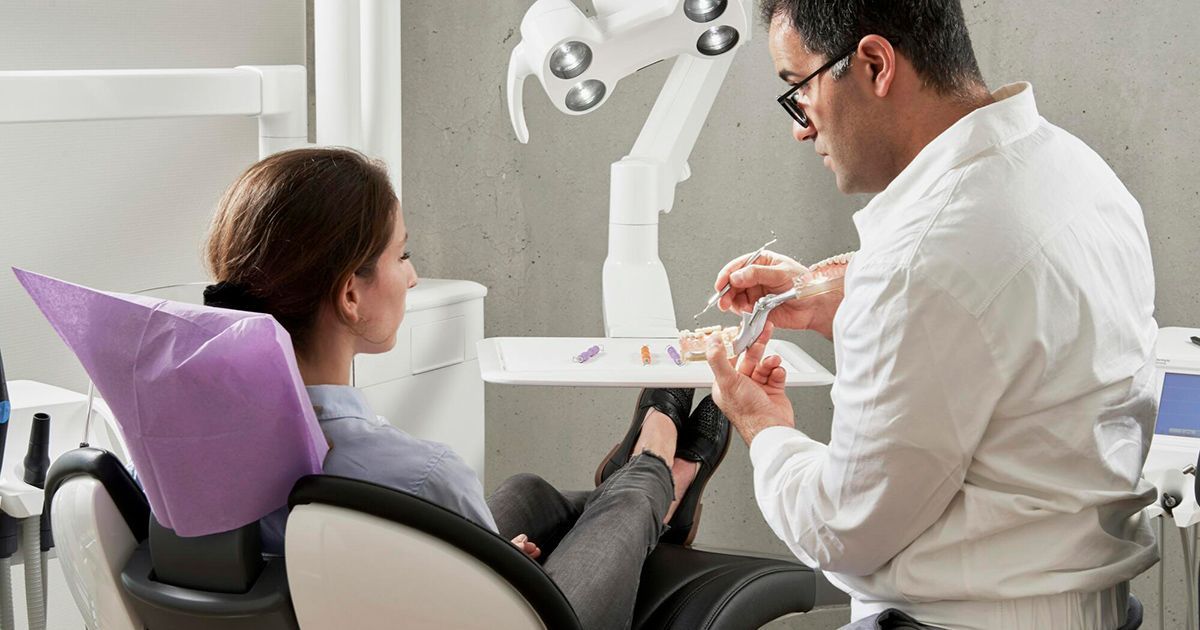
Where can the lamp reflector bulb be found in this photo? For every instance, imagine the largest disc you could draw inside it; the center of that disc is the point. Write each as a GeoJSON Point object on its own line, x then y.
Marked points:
{"type": "Point", "coordinates": [704, 10]}
{"type": "Point", "coordinates": [570, 59]}
{"type": "Point", "coordinates": [585, 95]}
{"type": "Point", "coordinates": [717, 40]}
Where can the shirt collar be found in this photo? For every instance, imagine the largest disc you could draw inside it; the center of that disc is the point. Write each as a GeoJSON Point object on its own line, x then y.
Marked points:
{"type": "Point", "coordinates": [1014, 114]}
{"type": "Point", "coordinates": [338, 401]}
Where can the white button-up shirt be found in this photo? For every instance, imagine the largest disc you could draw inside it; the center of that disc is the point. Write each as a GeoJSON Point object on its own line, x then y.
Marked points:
{"type": "Point", "coordinates": [994, 398]}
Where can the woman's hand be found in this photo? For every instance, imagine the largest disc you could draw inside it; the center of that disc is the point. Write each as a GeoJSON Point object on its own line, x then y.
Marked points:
{"type": "Point", "coordinates": [773, 273]}
{"type": "Point", "coordinates": [751, 392]}
{"type": "Point", "coordinates": [527, 547]}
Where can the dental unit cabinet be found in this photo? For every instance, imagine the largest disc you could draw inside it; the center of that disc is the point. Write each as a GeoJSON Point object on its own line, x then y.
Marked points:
{"type": "Point", "coordinates": [428, 384]}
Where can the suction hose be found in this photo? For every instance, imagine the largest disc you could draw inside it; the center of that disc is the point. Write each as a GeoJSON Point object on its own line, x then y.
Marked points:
{"type": "Point", "coordinates": [37, 462]}
{"type": "Point", "coordinates": [31, 533]}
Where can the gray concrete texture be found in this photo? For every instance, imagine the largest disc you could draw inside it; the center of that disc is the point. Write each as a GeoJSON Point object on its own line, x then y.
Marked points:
{"type": "Point", "coordinates": [530, 222]}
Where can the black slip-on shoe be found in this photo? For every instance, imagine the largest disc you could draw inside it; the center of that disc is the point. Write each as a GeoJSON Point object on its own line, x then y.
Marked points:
{"type": "Point", "coordinates": [676, 404]}
{"type": "Point", "coordinates": [704, 439]}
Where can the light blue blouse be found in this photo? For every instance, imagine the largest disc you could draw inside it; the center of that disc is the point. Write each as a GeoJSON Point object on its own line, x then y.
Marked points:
{"type": "Point", "coordinates": [365, 446]}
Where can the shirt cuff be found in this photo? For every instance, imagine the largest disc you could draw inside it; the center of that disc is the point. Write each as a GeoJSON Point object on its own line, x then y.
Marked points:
{"type": "Point", "coordinates": [767, 443]}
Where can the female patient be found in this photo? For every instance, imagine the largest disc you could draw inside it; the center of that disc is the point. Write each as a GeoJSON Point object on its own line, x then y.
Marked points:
{"type": "Point", "coordinates": [316, 238]}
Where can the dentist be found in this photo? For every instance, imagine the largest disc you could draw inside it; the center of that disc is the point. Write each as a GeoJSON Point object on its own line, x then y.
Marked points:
{"type": "Point", "coordinates": [994, 345]}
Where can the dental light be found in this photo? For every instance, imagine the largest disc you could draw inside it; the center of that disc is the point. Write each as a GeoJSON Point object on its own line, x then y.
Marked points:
{"type": "Point", "coordinates": [579, 61]}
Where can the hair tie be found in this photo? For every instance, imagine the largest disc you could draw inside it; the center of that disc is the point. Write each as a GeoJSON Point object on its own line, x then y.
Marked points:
{"type": "Point", "coordinates": [232, 296]}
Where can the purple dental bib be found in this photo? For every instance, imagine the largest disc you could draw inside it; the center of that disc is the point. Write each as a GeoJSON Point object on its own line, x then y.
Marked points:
{"type": "Point", "coordinates": [210, 401]}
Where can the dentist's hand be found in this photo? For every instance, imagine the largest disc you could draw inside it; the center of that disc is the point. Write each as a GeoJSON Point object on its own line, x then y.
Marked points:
{"type": "Point", "coordinates": [527, 547]}
{"type": "Point", "coordinates": [751, 392]}
{"type": "Point", "coordinates": [773, 273]}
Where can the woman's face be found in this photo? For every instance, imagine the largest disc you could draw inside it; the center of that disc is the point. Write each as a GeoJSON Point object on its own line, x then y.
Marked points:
{"type": "Point", "coordinates": [382, 295]}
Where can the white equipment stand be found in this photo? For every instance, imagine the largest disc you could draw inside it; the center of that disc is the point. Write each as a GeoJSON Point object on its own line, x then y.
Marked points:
{"type": "Point", "coordinates": [578, 61]}
{"type": "Point", "coordinates": [1171, 463]}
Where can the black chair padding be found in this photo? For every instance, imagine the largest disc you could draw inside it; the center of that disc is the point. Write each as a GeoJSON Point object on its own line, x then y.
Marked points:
{"type": "Point", "coordinates": [104, 467]}
{"type": "Point", "coordinates": [685, 588]}
{"type": "Point", "coordinates": [266, 606]}
{"type": "Point", "coordinates": [522, 573]}
{"type": "Point", "coordinates": [225, 562]}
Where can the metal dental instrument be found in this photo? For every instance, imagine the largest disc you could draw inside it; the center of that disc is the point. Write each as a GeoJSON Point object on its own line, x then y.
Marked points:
{"type": "Point", "coordinates": [755, 320]}
{"type": "Point", "coordinates": [716, 297]}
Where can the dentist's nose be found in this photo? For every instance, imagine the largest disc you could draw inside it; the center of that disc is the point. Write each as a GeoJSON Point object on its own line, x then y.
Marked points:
{"type": "Point", "coordinates": [801, 133]}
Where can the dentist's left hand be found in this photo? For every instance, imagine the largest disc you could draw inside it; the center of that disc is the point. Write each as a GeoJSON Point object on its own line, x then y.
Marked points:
{"type": "Point", "coordinates": [527, 546]}
{"type": "Point", "coordinates": [751, 392]}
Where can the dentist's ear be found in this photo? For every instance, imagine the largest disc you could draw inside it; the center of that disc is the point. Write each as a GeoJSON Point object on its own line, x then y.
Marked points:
{"type": "Point", "coordinates": [878, 57]}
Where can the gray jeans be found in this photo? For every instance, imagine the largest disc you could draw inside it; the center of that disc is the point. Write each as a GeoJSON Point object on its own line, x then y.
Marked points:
{"type": "Point", "coordinates": [593, 543]}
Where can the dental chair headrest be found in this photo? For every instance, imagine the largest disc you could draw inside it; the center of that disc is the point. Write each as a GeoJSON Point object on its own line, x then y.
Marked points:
{"type": "Point", "coordinates": [209, 400]}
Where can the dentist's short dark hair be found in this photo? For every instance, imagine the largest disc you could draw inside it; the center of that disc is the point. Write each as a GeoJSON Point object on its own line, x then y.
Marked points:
{"type": "Point", "coordinates": [932, 34]}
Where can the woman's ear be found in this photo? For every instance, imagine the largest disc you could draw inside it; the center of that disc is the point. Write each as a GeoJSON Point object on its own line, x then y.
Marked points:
{"type": "Point", "coordinates": [879, 58]}
{"type": "Point", "coordinates": [348, 302]}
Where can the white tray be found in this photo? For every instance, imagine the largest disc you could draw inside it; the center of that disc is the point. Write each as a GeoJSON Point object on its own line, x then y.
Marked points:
{"type": "Point", "coordinates": [548, 361]}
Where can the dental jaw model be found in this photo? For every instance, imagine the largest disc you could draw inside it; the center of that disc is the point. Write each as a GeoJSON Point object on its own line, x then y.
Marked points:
{"type": "Point", "coordinates": [824, 277]}
{"type": "Point", "coordinates": [694, 343]}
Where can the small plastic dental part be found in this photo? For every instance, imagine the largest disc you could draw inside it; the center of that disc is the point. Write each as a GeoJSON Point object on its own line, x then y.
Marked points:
{"type": "Point", "coordinates": [588, 355]}
{"type": "Point", "coordinates": [645, 355]}
{"type": "Point", "coordinates": [674, 354]}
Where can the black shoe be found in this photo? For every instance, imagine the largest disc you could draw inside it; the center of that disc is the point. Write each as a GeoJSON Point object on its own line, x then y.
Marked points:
{"type": "Point", "coordinates": [704, 439]}
{"type": "Point", "coordinates": [673, 403]}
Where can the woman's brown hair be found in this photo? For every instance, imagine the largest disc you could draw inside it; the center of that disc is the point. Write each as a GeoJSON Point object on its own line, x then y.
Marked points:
{"type": "Point", "coordinates": [293, 228]}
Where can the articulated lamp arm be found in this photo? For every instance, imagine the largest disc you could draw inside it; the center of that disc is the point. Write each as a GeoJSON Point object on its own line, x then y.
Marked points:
{"type": "Point", "coordinates": [579, 60]}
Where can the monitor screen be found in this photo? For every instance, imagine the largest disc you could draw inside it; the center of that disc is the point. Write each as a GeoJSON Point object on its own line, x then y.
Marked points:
{"type": "Point", "coordinates": [1179, 406]}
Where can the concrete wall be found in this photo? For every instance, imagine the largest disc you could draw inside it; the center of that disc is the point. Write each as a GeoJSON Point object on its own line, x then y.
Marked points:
{"type": "Point", "coordinates": [530, 221]}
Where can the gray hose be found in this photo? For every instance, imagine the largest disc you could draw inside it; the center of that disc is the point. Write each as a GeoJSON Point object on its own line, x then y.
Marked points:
{"type": "Point", "coordinates": [45, 578]}
{"type": "Point", "coordinates": [31, 550]}
{"type": "Point", "coordinates": [6, 595]}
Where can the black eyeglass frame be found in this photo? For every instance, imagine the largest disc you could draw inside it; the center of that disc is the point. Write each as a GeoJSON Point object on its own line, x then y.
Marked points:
{"type": "Point", "coordinates": [789, 105]}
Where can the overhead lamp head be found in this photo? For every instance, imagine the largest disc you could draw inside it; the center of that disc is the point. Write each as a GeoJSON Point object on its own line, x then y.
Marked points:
{"type": "Point", "coordinates": [579, 59]}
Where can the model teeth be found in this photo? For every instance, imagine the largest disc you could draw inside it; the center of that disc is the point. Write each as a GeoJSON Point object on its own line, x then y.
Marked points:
{"type": "Point", "coordinates": [840, 259]}
{"type": "Point", "coordinates": [693, 344]}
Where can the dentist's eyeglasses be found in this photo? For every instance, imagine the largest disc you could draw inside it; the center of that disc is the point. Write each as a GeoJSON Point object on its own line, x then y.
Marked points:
{"type": "Point", "coordinates": [788, 100]}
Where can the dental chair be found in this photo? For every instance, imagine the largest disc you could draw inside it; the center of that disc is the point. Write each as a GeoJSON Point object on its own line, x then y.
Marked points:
{"type": "Point", "coordinates": [365, 556]}
{"type": "Point", "coordinates": [212, 408]}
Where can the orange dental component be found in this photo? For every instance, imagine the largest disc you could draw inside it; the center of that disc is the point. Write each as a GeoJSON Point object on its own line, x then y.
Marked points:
{"type": "Point", "coordinates": [645, 355]}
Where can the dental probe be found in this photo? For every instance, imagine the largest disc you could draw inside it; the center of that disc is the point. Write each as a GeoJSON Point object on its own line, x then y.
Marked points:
{"type": "Point", "coordinates": [716, 297]}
